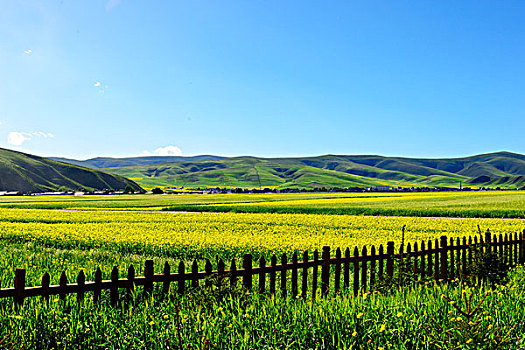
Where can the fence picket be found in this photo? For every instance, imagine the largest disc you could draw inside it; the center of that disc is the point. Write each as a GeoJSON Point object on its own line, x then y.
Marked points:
{"type": "Point", "coordinates": [364, 265]}
{"type": "Point", "coordinates": [356, 271]}
{"type": "Point", "coordinates": [20, 285]}
{"type": "Point", "coordinates": [262, 275]}
{"type": "Point", "coordinates": [294, 275]}
{"type": "Point", "coordinates": [284, 263]}
{"type": "Point", "coordinates": [430, 262]}
{"type": "Point", "coordinates": [148, 275]}
{"type": "Point", "coordinates": [207, 272]}
{"type": "Point", "coordinates": [314, 273]}
{"type": "Point", "coordinates": [247, 266]}
{"type": "Point", "coordinates": [422, 261]}
{"type": "Point", "coordinates": [381, 259]}
{"type": "Point", "coordinates": [464, 257]}
{"type": "Point", "coordinates": [304, 286]}
{"type": "Point", "coordinates": [62, 282]}
{"type": "Point", "coordinates": [444, 258]}
{"type": "Point", "coordinates": [194, 274]}
{"type": "Point", "coordinates": [81, 282]}
{"type": "Point", "coordinates": [452, 263]}
{"type": "Point", "coordinates": [182, 281]}
{"type": "Point", "coordinates": [113, 292]}
{"type": "Point", "coordinates": [325, 271]}
{"type": "Point", "coordinates": [98, 286]}
{"type": "Point", "coordinates": [273, 262]}
{"type": "Point", "coordinates": [390, 259]}
{"type": "Point", "coordinates": [166, 283]}
{"type": "Point", "coordinates": [45, 287]}
{"type": "Point", "coordinates": [131, 282]}
{"type": "Point", "coordinates": [233, 274]}
{"type": "Point", "coordinates": [346, 269]}
{"type": "Point", "coordinates": [337, 271]}
{"type": "Point", "coordinates": [372, 266]}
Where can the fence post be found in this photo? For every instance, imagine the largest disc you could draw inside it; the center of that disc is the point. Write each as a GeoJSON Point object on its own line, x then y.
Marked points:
{"type": "Point", "coordinates": [304, 287]}
{"type": "Point", "coordinates": [452, 262]}
{"type": "Point", "coordinates": [208, 271]}
{"type": "Point", "coordinates": [356, 271]}
{"type": "Point", "coordinates": [233, 274]}
{"type": "Point", "coordinates": [325, 271]}
{"type": "Point", "coordinates": [247, 266]}
{"type": "Point", "coordinates": [194, 274]}
{"type": "Point", "coordinates": [81, 282]}
{"type": "Point", "coordinates": [45, 287]}
{"type": "Point", "coordinates": [98, 286]}
{"type": "Point", "coordinates": [346, 271]}
{"type": "Point", "coordinates": [372, 266]}
{"type": "Point", "coordinates": [522, 247]}
{"type": "Point", "coordinates": [364, 266]}
{"type": "Point", "coordinates": [63, 284]}
{"type": "Point", "coordinates": [381, 263]}
{"type": "Point", "coordinates": [148, 275]}
{"type": "Point", "coordinates": [294, 275]}
{"type": "Point", "coordinates": [262, 275]}
{"type": "Point", "coordinates": [20, 285]}
{"type": "Point", "coordinates": [166, 285]}
{"type": "Point", "coordinates": [182, 281]}
{"type": "Point", "coordinates": [487, 241]}
{"type": "Point", "coordinates": [337, 272]}
{"type": "Point", "coordinates": [131, 282]}
{"type": "Point", "coordinates": [273, 269]}
{"type": "Point", "coordinates": [113, 291]}
{"type": "Point", "coordinates": [314, 274]}
{"type": "Point", "coordinates": [390, 259]}
{"type": "Point", "coordinates": [444, 258]}
{"type": "Point", "coordinates": [284, 262]}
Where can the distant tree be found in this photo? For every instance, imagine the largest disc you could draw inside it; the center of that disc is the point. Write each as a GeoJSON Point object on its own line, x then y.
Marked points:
{"type": "Point", "coordinates": [128, 189]}
{"type": "Point", "coordinates": [157, 190]}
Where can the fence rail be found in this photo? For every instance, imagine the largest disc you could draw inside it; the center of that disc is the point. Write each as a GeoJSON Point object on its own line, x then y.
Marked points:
{"type": "Point", "coordinates": [441, 260]}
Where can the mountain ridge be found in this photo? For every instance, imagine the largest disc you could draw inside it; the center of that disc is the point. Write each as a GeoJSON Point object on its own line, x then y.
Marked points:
{"type": "Point", "coordinates": [497, 169]}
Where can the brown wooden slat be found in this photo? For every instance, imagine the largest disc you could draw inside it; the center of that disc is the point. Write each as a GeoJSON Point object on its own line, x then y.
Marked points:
{"type": "Point", "coordinates": [182, 283]}
{"type": "Point", "coordinates": [20, 285]}
{"type": "Point", "coordinates": [337, 271]}
{"type": "Point", "coordinates": [148, 275]}
{"type": "Point", "coordinates": [62, 283]}
{"type": "Point", "coordinates": [247, 265]}
{"type": "Point", "coordinates": [304, 284]}
{"type": "Point", "coordinates": [97, 290]}
{"type": "Point", "coordinates": [364, 266]}
{"type": "Point", "coordinates": [284, 262]}
{"type": "Point", "coordinates": [325, 271]}
{"type": "Point", "coordinates": [346, 270]}
{"type": "Point", "coordinates": [444, 258]}
{"type": "Point", "coordinates": [373, 267]}
{"type": "Point", "coordinates": [262, 275]}
{"type": "Point", "coordinates": [45, 287]}
{"type": "Point", "coordinates": [314, 274]}
{"type": "Point", "coordinates": [233, 274]}
{"type": "Point", "coordinates": [294, 275]}
{"type": "Point", "coordinates": [81, 282]}
{"type": "Point", "coordinates": [114, 286]}
{"type": "Point", "coordinates": [273, 262]}
{"type": "Point", "coordinates": [381, 259]}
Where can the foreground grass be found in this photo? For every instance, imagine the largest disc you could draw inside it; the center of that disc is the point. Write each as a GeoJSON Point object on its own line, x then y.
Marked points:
{"type": "Point", "coordinates": [402, 320]}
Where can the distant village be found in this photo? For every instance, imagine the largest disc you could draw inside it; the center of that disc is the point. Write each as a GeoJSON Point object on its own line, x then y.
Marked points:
{"type": "Point", "coordinates": [219, 190]}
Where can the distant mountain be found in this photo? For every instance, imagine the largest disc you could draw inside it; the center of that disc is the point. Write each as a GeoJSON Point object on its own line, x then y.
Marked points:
{"type": "Point", "coordinates": [28, 173]}
{"type": "Point", "coordinates": [108, 162]}
{"type": "Point", "coordinates": [501, 169]}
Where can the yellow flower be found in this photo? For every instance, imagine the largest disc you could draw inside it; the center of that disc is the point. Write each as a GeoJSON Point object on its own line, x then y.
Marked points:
{"type": "Point", "coordinates": [354, 334]}
{"type": "Point", "coordinates": [469, 341]}
{"type": "Point", "coordinates": [359, 315]}
{"type": "Point", "coordinates": [382, 328]}
{"type": "Point", "coordinates": [399, 314]}
{"type": "Point", "coordinates": [152, 323]}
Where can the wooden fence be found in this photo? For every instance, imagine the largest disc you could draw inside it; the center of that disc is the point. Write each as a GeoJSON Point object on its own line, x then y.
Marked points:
{"type": "Point", "coordinates": [441, 260]}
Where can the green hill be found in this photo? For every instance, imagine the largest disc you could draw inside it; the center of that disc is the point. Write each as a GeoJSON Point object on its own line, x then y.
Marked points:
{"type": "Point", "coordinates": [28, 173]}
{"type": "Point", "coordinates": [502, 169]}
{"type": "Point", "coordinates": [108, 162]}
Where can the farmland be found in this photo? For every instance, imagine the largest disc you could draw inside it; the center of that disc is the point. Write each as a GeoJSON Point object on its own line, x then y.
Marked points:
{"type": "Point", "coordinates": [55, 234]}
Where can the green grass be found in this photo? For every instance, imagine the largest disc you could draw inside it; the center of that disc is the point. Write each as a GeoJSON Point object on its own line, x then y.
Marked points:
{"type": "Point", "coordinates": [234, 320]}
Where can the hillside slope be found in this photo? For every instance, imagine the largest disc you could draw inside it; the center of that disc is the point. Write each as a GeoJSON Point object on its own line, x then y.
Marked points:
{"type": "Point", "coordinates": [108, 162]}
{"type": "Point", "coordinates": [28, 173]}
{"type": "Point", "coordinates": [502, 169]}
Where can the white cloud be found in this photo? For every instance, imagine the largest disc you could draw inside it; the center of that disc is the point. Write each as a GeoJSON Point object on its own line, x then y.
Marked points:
{"type": "Point", "coordinates": [28, 52]}
{"type": "Point", "coordinates": [16, 138]}
{"type": "Point", "coordinates": [164, 151]}
{"type": "Point", "coordinates": [97, 84]}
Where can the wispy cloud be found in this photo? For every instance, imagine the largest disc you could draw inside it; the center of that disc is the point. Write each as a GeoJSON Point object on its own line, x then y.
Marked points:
{"type": "Point", "coordinates": [97, 84]}
{"type": "Point", "coordinates": [164, 151]}
{"type": "Point", "coordinates": [28, 52]}
{"type": "Point", "coordinates": [17, 138]}
{"type": "Point", "coordinates": [112, 4]}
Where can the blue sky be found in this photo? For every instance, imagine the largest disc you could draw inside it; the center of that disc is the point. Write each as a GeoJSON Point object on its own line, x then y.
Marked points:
{"type": "Point", "coordinates": [264, 78]}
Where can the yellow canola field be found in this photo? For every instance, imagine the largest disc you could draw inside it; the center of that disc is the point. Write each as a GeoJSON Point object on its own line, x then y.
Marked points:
{"type": "Point", "coordinates": [201, 235]}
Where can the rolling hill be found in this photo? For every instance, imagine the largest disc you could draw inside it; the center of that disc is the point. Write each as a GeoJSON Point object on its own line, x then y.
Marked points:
{"type": "Point", "coordinates": [502, 169]}
{"type": "Point", "coordinates": [28, 173]}
{"type": "Point", "coordinates": [108, 162]}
